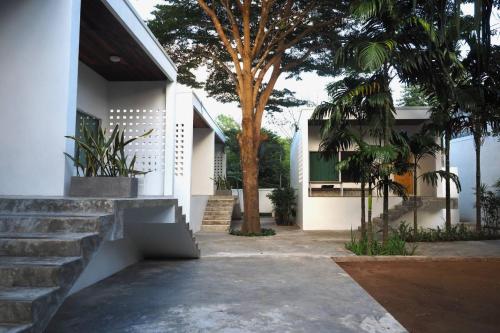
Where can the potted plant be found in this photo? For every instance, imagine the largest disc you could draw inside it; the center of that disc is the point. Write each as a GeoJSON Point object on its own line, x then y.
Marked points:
{"type": "Point", "coordinates": [283, 200]}
{"type": "Point", "coordinates": [222, 186]}
{"type": "Point", "coordinates": [102, 167]}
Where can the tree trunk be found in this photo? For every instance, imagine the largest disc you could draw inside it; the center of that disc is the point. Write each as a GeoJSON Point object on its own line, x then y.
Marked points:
{"type": "Point", "coordinates": [477, 143]}
{"type": "Point", "coordinates": [370, 225]}
{"type": "Point", "coordinates": [385, 228]}
{"type": "Point", "coordinates": [415, 210]}
{"type": "Point", "coordinates": [447, 139]}
{"type": "Point", "coordinates": [363, 210]}
{"type": "Point", "coordinates": [249, 142]}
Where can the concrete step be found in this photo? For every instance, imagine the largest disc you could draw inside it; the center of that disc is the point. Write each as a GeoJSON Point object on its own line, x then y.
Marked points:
{"type": "Point", "coordinates": [24, 305]}
{"type": "Point", "coordinates": [48, 244]}
{"type": "Point", "coordinates": [17, 205]}
{"type": "Point", "coordinates": [52, 223]}
{"type": "Point", "coordinates": [15, 328]}
{"type": "Point", "coordinates": [216, 222]}
{"type": "Point", "coordinates": [39, 271]}
{"type": "Point", "coordinates": [217, 215]}
{"type": "Point", "coordinates": [214, 228]}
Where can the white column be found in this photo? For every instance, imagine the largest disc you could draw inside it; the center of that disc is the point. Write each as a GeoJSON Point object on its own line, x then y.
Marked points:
{"type": "Point", "coordinates": [39, 68]}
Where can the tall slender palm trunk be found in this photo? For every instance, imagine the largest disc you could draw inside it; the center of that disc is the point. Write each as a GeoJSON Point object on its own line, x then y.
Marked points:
{"type": "Point", "coordinates": [363, 210]}
{"type": "Point", "coordinates": [477, 143]}
{"type": "Point", "coordinates": [447, 139]}
{"type": "Point", "coordinates": [415, 209]}
{"type": "Point", "coordinates": [370, 225]}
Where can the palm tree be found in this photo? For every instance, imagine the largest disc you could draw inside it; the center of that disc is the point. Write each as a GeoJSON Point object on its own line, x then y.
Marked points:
{"type": "Point", "coordinates": [433, 64]}
{"type": "Point", "coordinates": [336, 132]}
{"type": "Point", "coordinates": [420, 145]}
{"type": "Point", "coordinates": [479, 96]}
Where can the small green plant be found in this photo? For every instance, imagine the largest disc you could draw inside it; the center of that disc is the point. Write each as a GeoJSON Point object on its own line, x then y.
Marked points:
{"type": "Point", "coordinates": [490, 206]}
{"type": "Point", "coordinates": [395, 246]}
{"type": "Point", "coordinates": [458, 232]}
{"type": "Point", "coordinates": [263, 232]}
{"type": "Point", "coordinates": [100, 156]}
{"type": "Point", "coordinates": [283, 200]}
{"type": "Point", "coordinates": [221, 183]}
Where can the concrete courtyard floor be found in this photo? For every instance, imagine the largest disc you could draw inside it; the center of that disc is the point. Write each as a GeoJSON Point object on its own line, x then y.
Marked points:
{"type": "Point", "coordinates": [282, 283]}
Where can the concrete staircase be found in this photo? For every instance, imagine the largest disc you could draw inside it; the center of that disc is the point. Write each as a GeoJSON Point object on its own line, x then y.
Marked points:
{"type": "Point", "coordinates": [45, 245]}
{"type": "Point", "coordinates": [406, 206]}
{"type": "Point", "coordinates": [218, 213]}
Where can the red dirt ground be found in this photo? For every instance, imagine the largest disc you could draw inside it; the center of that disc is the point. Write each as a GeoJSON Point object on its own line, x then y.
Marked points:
{"type": "Point", "coordinates": [435, 296]}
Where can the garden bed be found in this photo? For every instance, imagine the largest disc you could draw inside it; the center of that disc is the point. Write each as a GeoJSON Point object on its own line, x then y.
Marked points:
{"type": "Point", "coordinates": [434, 296]}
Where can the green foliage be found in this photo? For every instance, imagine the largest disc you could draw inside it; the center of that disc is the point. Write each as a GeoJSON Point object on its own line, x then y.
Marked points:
{"type": "Point", "coordinates": [490, 206]}
{"type": "Point", "coordinates": [190, 38]}
{"type": "Point", "coordinates": [284, 203]}
{"type": "Point", "coordinates": [104, 156]}
{"type": "Point", "coordinates": [222, 183]}
{"type": "Point", "coordinates": [274, 156]}
{"type": "Point", "coordinates": [264, 232]}
{"type": "Point", "coordinates": [395, 246]}
{"type": "Point", "coordinates": [413, 96]}
{"type": "Point", "coordinates": [458, 232]}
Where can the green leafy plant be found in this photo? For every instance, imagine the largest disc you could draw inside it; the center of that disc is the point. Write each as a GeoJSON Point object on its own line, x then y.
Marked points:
{"type": "Point", "coordinates": [394, 246]}
{"type": "Point", "coordinates": [458, 232]}
{"type": "Point", "coordinates": [222, 183]}
{"type": "Point", "coordinates": [263, 232]}
{"type": "Point", "coordinates": [284, 203]}
{"type": "Point", "coordinates": [100, 156]}
{"type": "Point", "coordinates": [490, 206]}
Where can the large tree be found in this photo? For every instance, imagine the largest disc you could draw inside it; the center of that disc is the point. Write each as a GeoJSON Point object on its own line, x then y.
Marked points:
{"type": "Point", "coordinates": [246, 46]}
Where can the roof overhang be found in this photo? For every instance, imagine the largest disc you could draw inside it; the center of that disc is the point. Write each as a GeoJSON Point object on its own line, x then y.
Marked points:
{"type": "Point", "coordinates": [202, 119]}
{"type": "Point", "coordinates": [113, 28]}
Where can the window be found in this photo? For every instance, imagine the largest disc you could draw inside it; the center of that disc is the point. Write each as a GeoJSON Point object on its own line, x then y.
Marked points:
{"type": "Point", "coordinates": [321, 169]}
{"type": "Point", "coordinates": [85, 120]}
{"type": "Point", "coordinates": [351, 174]}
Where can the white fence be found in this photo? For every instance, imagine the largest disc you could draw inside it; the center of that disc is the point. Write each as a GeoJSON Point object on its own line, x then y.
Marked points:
{"type": "Point", "coordinates": [265, 205]}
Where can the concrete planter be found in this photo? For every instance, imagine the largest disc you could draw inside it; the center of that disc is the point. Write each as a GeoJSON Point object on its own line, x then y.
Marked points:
{"type": "Point", "coordinates": [223, 192]}
{"type": "Point", "coordinates": [104, 187]}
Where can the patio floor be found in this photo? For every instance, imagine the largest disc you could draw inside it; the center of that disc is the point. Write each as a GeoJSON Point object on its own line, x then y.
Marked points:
{"type": "Point", "coordinates": [283, 283]}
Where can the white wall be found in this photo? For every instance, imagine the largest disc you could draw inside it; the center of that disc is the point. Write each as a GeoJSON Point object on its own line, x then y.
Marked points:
{"type": "Point", "coordinates": [183, 147]}
{"type": "Point", "coordinates": [92, 95]}
{"type": "Point", "coordinates": [197, 209]}
{"type": "Point", "coordinates": [38, 66]}
{"type": "Point", "coordinates": [265, 204]}
{"type": "Point", "coordinates": [462, 155]}
{"type": "Point", "coordinates": [203, 162]}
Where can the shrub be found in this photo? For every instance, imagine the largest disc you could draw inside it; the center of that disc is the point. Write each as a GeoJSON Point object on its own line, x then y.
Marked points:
{"type": "Point", "coordinates": [98, 155]}
{"type": "Point", "coordinates": [263, 232]}
{"type": "Point", "coordinates": [395, 246]}
{"type": "Point", "coordinates": [457, 232]}
{"type": "Point", "coordinates": [283, 200]}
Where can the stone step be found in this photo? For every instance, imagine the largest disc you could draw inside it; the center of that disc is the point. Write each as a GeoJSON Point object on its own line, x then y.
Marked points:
{"type": "Point", "coordinates": [52, 223]}
{"type": "Point", "coordinates": [220, 204]}
{"type": "Point", "coordinates": [15, 328]}
{"type": "Point", "coordinates": [39, 271]}
{"type": "Point", "coordinates": [209, 215]}
{"type": "Point", "coordinates": [9, 205]}
{"type": "Point", "coordinates": [48, 244]}
{"type": "Point", "coordinates": [214, 228]}
{"type": "Point", "coordinates": [216, 222]}
{"type": "Point", "coordinates": [23, 305]}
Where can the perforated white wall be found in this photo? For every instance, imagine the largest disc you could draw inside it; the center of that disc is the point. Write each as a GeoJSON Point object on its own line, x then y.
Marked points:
{"type": "Point", "coordinates": [179, 149]}
{"type": "Point", "coordinates": [150, 150]}
{"type": "Point", "coordinates": [219, 162]}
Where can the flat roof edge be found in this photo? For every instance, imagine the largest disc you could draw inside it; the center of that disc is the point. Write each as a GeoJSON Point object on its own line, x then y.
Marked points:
{"type": "Point", "coordinates": [203, 112]}
{"type": "Point", "coordinates": [125, 12]}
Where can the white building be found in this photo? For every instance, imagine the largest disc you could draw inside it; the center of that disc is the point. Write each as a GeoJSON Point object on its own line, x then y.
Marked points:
{"type": "Point", "coordinates": [74, 61]}
{"type": "Point", "coordinates": [329, 200]}
{"type": "Point", "coordinates": [464, 157]}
